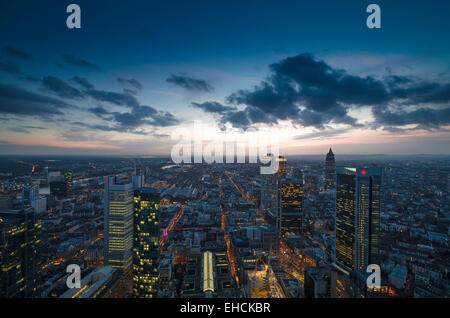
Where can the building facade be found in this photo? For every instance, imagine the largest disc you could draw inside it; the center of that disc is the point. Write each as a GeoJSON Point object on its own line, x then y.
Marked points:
{"type": "Point", "coordinates": [291, 200]}
{"type": "Point", "coordinates": [330, 171]}
{"type": "Point", "coordinates": [146, 243]}
{"type": "Point", "coordinates": [269, 193]}
{"type": "Point", "coordinates": [118, 230]}
{"type": "Point", "coordinates": [357, 217]}
{"type": "Point", "coordinates": [20, 241]}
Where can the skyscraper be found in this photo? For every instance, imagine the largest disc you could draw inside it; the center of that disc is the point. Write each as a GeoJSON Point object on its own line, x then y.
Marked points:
{"type": "Point", "coordinates": [269, 193]}
{"type": "Point", "coordinates": [59, 188]}
{"type": "Point", "coordinates": [20, 241]}
{"type": "Point", "coordinates": [357, 217]}
{"type": "Point", "coordinates": [282, 167]}
{"type": "Point", "coordinates": [146, 243]}
{"type": "Point", "coordinates": [118, 202]}
{"type": "Point", "coordinates": [291, 199]}
{"type": "Point", "coordinates": [29, 195]}
{"type": "Point", "coordinates": [68, 177]}
{"type": "Point", "coordinates": [330, 171]}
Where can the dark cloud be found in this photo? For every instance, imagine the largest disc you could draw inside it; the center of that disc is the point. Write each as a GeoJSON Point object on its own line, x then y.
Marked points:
{"type": "Point", "coordinates": [99, 111]}
{"type": "Point", "coordinates": [121, 99]}
{"type": "Point", "coordinates": [144, 115]}
{"type": "Point", "coordinates": [18, 101]}
{"type": "Point", "coordinates": [133, 82]}
{"type": "Point", "coordinates": [95, 126]}
{"type": "Point", "coordinates": [60, 87]}
{"type": "Point", "coordinates": [9, 67]}
{"type": "Point", "coordinates": [32, 79]}
{"type": "Point", "coordinates": [190, 83]}
{"type": "Point", "coordinates": [18, 130]}
{"type": "Point", "coordinates": [72, 60]}
{"type": "Point", "coordinates": [309, 92]}
{"type": "Point", "coordinates": [130, 91]}
{"type": "Point", "coordinates": [130, 121]}
{"type": "Point", "coordinates": [13, 52]}
{"type": "Point", "coordinates": [214, 107]}
{"type": "Point", "coordinates": [424, 118]}
{"type": "Point", "coordinates": [83, 82]}
{"type": "Point", "coordinates": [34, 127]}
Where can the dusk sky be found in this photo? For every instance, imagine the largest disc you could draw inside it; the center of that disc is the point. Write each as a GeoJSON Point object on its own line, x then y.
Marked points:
{"type": "Point", "coordinates": [310, 70]}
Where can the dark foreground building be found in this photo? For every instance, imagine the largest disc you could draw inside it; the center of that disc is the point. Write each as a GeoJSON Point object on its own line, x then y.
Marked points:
{"type": "Point", "coordinates": [146, 243]}
{"type": "Point", "coordinates": [20, 240]}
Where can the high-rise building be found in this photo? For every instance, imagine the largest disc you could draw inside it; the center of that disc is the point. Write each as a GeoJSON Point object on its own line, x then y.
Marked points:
{"type": "Point", "coordinates": [146, 243]}
{"type": "Point", "coordinates": [311, 183]}
{"type": "Point", "coordinates": [29, 195]}
{"type": "Point", "coordinates": [330, 171]}
{"type": "Point", "coordinates": [282, 167]}
{"type": "Point", "coordinates": [291, 199]}
{"type": "Point", "coordinates": [357, 217]}
{"type": "Point", "coordinates": [20, 241]}
{"type": "Point", "coordinates": [68, 177]}
{"type": "Point", "coordinates": [118, 230]}
{"type": "Point", "coordinates": [269, 193]}
{"type": "Point", "coordinates": [138, 181]}
{"type": "Point", "coordinates": [59, 188]}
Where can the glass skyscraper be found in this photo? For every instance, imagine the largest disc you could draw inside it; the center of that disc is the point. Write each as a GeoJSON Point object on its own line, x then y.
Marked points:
{"type": "Point", "coordinates": [357, 217]}
{"type": "Point", "coordinates": [146, 243]}
{"type": "Point", "coordinates": [291, 199]}
{"type": "Point", "coordinates": [282, 167]}
{"type": "Point", "coordinates": [118, 200]}
{"type": "Point", "coordinates": [29, 195]}
{"type": "Point", "coordinates": [20, 241]}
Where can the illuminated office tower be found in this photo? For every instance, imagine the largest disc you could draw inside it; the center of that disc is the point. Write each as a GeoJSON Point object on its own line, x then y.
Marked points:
{"type": "Point", "coordinates": [357, 217]}
{"type": "Point", "coordinates": [330, 171]}
{"type": "Point", "coordinates": [291, 199]}
{"type": "Point", "coordinates": [146, 243]}
{"type": "Point", "coordinates": [20, 241]}
{"type": "Point", "coordinates": [118, 231]}
{"type": "Point", "coordinates": [282, 167]}
{"type": "Point", "coordinates": [68, 177]}
{"type": "Point", "coordinates": [281, 174]}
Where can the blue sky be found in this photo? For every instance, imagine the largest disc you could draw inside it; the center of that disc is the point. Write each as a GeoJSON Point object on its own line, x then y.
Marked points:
{"type": "Point", "coordinates": [229, 47]}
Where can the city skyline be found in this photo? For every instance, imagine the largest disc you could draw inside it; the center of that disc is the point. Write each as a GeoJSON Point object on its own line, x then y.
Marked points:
{"type": "Point", "coordinates": [146, 228]}
{"type": "Point", "coordinates": [321, 77]}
